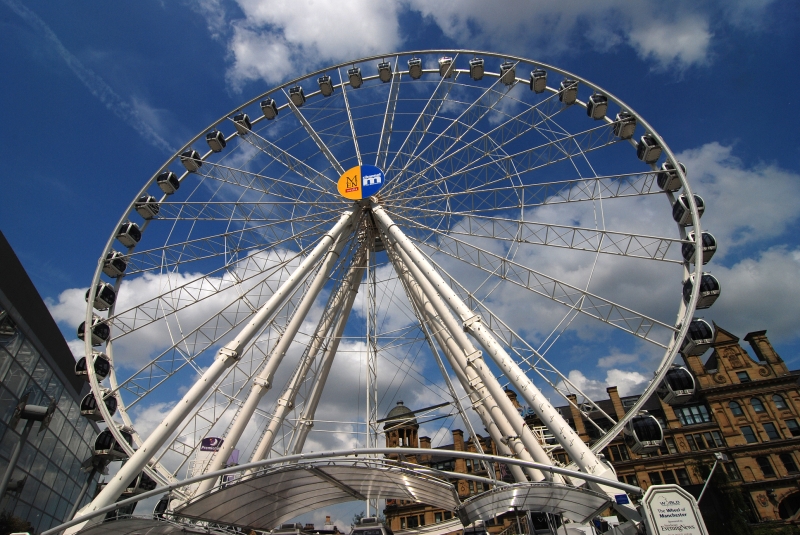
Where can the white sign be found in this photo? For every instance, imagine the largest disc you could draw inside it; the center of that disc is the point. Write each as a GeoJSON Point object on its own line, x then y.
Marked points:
{"type": "Point", "coordinates": [669, 509]}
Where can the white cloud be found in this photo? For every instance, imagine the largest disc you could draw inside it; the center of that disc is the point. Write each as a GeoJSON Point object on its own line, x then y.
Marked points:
{"type": "Point", "coordinates": [627, 383]}
{"type": "Point", "coordinates": [685, 42]}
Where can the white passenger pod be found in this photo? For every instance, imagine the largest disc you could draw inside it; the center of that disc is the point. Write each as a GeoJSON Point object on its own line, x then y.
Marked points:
{"type": "Point", "coordinates": [415, 68]}
{"type": "Point", "coordinates": [508, 72]}
{"type": "Point", "coordinates": [168, 182]}
{"type": "Point", "coordinates": [242, 123]}
{"type": "Point", "coordinates": [445, 66]}
{"type": "Point", "coordinates": [625, 125]}
{"type": "Point", "coordinates": [115, 264]}
{"type": "Point", "coordinates": [648, 150]}
{"type": "Point", "coordinates": [297, 96]}
{"type": "Point", "coordinates": [190, 159]}
{"type": "Point", "coordinates": [568, 92]}
{"type": "Point", "coordinates": [709, 247]}
{"type": "Point", "coordinates": [643, 433]}
{"type": "Point", "coordinates": [106, 446]}
{"type": "Point", "coordinates": [129, 234]}
{"type": "Point", "coordinates": [597, 106]}
{"type": "Point", "coordinates": [102, 366]}
{"type": "Point", "coordinates": [216, 140]}
{"type": "Point", "coordinates": [668, 179]}
{"type": "Point", "coordinates": [699, 337]}
{"type": "Point", "coordinates": [91, 410]}
{"type": "Point", "coordinates": [681, 212]}
{"type": "Point", "coordinates": [354, 75]}
{"type": "Point", "coordinates": [476, 68]}
{"type": "Point", "coordinates": [100, 331]}
{"type": "Point", "coordinates": [677, 387]}
{"type": "Point", "coordinates": [147, 206]}
{"type": "Point", "coordinates": [384, 71]}
{"type": "Point", "coordinates": [709, 290]}
{"type": "Point", "coordinates": [140, 484]}
{"type": "Point", "coordinates": [325, 85]}
{"type": "Point", "coordinates": [269, 108]}
{"type": "Point", "coordinates": [538, 81]}
{"type": "Point", "coordinates": [104, 296]}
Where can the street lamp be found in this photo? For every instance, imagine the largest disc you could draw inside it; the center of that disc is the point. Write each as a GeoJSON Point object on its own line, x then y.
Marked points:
{"type": "Point", "coordinates": [719, 456]}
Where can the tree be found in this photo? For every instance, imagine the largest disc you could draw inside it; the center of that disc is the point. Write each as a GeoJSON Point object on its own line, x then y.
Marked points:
{"type": "Point", "coordinates": [724, 507]}
{"type": "Point", "coordinates": [13, 524]}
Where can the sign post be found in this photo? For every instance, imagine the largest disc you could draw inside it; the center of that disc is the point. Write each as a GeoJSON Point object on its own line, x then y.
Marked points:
{"type": "Point", "coordinates": [670, 509]}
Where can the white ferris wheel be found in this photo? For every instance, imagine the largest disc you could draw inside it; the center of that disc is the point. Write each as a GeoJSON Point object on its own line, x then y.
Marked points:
{"type": "Point", "coordinates": [445, 223]}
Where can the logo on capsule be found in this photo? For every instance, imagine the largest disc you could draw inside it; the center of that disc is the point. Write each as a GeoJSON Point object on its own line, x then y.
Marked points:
{"type": "Point", "coordinates": [360, 182]}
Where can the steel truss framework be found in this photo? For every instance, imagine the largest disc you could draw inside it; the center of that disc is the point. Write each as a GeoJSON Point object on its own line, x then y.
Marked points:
{"type": "Point", "coordinates": [497, 199]}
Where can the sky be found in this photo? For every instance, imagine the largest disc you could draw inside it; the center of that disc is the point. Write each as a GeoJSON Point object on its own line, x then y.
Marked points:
{"type": "Point", "coordinates": [99, 95]}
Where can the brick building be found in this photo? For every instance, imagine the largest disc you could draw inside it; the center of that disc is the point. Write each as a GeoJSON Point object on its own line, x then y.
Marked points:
{"type": "Point", "coordinates": [746, 405]}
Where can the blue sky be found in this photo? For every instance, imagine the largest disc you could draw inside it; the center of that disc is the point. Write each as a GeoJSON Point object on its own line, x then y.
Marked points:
{"type": "Point", "coordinates": [98, 95]}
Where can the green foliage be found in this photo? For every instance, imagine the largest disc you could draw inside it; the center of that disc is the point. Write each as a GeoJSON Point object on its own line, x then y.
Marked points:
{"type": "Point", "coordinates": [13, 524]}
{"type": "Point", "coordinates": [775, 529]}
{"type": "Point", "coordinates": [724, 508]}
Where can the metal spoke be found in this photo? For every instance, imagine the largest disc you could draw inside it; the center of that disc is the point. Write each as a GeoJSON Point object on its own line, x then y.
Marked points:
{"type": "Point", "coordinates": [313, 135]}
{"type": "Point", "coordinates": [388, 118]}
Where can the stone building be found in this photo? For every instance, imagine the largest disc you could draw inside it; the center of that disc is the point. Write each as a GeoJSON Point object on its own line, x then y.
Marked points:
{"type": "Point", "coordinates": [746, 405]}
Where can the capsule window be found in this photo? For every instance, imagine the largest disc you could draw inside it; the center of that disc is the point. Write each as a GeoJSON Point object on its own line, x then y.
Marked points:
{"type": "Point", "coordinates": [269, 108]}
{"type": "Point", "coordinates": [568, 92]}
{"type": "Point", "coordinates": [624, 125]}
{"type": "Point", "coordinates": [129, 234]}
{"type": "Point", "coordinates": [597, 106]}
{"type": "Point", "coordinates": [216, 140]}
{"type": "Point", "coordinates": [538, 81]}
{"type": "Point", "coordinates": [446, 67]}
{"type": "Point", "coordinates": [668, 179]}
{"type": "Point", "coordinates": [147, 206]}
{"type": "Point", "coordinates": [709, 247]}
{"type": "Point", "coordinates": [384, 71]}
{"type": "Point", "coordinates": [168, 182]}
{"type": "Point", "coordinates": [508, 72]}
{"type": "Point", "coordinates": [681, 212]}
{"type": "Point", "coordinates": [114, 264]}
{"type": "Point", "coordinates": [709, 290]}
{"type": "Point", "coordinates": [102, 367]}
{"type": "Point", "coordinates": [648, 150]}
{"type": "Point", "coordinates": [104, 297]}
{"type": "Point", "coordinates": [242, 123]}
{"type": "Point", "coordinates": [297, 96]}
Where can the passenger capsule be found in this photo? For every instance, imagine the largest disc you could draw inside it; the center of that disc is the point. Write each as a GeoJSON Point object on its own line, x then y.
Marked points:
{"type": "Point", "coordinates": [129, 234]}
{"type": "Point", "coordinates": [102, 366]}
{"type": "Point", "coordinates": [624, 125]}
{"type": "Point", "coordinates": [597, 106]}
{"type": "Point", "coordinates": [709, 248]}
{"type": "Point", "coordinates": [106, 446]}
{"type": "Point", "coordinates": [90, 409]}
{"type": "Point", "coordinates": [161, 508]}
{"type": "Point", "coordinates": [114, 265]}
{"type": "Point", "coordinates": [100, 331]}
{"type": "Point", "coordinates": [568, 92]}
{"type": "Point", "coordinates": [538, 81]}
{"type": "Point", "coordinates": [643, 433]}
{"type": "Point", "coordinates": [242, 123]}
{"type": "Point", "coordinates": [140, 484]}
{"type": "Point", "coordinates": [476, 68]}
{"type": "Point", "coordinates": [668, 179]}
{"type": "Point", "coordinates": [297, 96]}
{"type": "Point", "coordinates": [384, 71]}
{"type": "Point", "coordinates": [325, 85]}
{"type": "Point", "coordinates": [354, 75]}
{"type": "Point", "coordinates": [269, 108]}
{"type": "Point", "coordinates": [104, 296]}
{"type": "Point", "coordinates": [648, 150]}
{"type": "Point", "coordinates": [147, 206]}
{"type": "Point", "coordinates": [216, 140]}
{"type": "Point", "coordinates": [699, 337]}
{"type": "Point", "coordinates": [445, 66]}
{"type": "Point", "coordinates": [508, 72]}
{"type": "Point", "coordinates": [415, 68]}
{"type": "Point", "coordinates": [168, 182]}
{"type": "Point", "coordinates": [677, 387]}
{"type": "Point", "coordinates": [709, 290]}
{"type": "Point", "coordinates": [190, 159]}
{"type": "Point", "coordinates": [681, 212]}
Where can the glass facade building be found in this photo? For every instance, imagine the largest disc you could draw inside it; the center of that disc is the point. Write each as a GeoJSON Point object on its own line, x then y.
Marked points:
{"type": "Point", "coordinates": [35, 359]}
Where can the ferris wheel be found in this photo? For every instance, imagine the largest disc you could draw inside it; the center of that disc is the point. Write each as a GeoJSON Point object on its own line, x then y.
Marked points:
{"type": "Point", "coordinates": [442, 224]}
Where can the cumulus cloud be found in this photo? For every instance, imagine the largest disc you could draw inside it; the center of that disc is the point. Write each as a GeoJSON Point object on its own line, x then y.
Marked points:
{"type": "Point", "coordinates": [627, 383]}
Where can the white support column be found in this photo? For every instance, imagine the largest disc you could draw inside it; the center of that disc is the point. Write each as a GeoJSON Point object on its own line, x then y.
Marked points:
{"type": "Point", "coordinates": [349, 293]}
{"type": "Point", "coordinates": [426, 274]}
{"type": "Point", "coordinates": [465, 358]}
{"type": "Point", "coordinates": [226, 356]}
{"type": "Point", "coordinates": [263, 383]}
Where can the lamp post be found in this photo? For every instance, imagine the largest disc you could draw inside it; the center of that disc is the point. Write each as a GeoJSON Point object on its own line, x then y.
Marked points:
{"type": "Point", "coordinates": [719, 456]}
{"type": "Point", "coordinates": [31, 413]}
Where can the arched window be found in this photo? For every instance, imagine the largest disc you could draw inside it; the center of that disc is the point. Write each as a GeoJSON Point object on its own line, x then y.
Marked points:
{"type": "Point", "coordinates": [735, 408]}
{"type": "Point", "coordinates": [779, 402]}
{"type": "Point", "coordinates": [757, 405]}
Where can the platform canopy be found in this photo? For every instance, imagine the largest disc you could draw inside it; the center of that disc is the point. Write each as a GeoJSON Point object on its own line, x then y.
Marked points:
{"type": "Point", "coordinates": [147, 526]}
{"type": "Point", "coordinates": [266, 499]}
{"type": "Point", "coordinates": [576, 504]}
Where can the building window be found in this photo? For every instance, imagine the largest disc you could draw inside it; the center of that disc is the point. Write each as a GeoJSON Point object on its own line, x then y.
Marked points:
{"type": "Point", "coordinates": [669, 477]}
{"type": "Point", "coordinates": [402, 522]}
{"type": "Point", "coordinates": [692, 443]}
{"type": "Point", "coordinates": [683, 477]}
{"type": "Point", "coordinates": [714, 439]}
{"type": "Point", "coordinates": [757, 405]}
{"type": "Point", "coordinates": [749, 436]}
{"type": "Point", "coordinates": [670, 442]}
{"type": "Point", "coordinates": [743, 377]}
{"type": "Point", "coordinates": [779, 402]}
{"type": "Point", "coordinates": [735, 408]}
{"type": "Point", "coordinates": [562, 458]}
{"type": "Point", "coordinates": [732, 471]}
{"type": "Point", "coordinates": [471, 487]}
{"type": "Point", "coordinates": [617, 453]}
{"type": "Point", "coordinates": [655, 478]}
{"type": "Point", "coordinates": [766, 466]}
{"type": "Point", "coordinates": [448, 515]}
{"type": "Point", "coordinates": [772, 431]}
{"type": "Point", "coordinates": [693, 414]}
{"type": "Point", "coordinates": [437, 517]}
{"type": "Point", "coordinates": [788, 462]}
{"type": "Point", "coordinates": [794, 429]}
{"type": "Point", "coordinates": [631, 480]}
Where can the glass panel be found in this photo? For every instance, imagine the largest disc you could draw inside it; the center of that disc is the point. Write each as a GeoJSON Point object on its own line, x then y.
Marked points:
{"type": "Point", "coordinates": [41, 374]}
{"type": "Point", "coordinates": [5, 361]}
{"type": "Point", "coordinates": [16, 379]}
{"type": "Point", "coordinates": [27, 356]}
{"type": "Point", "coordinates": [669, 477]}
{"type": "Point", "coordinates": [50, 474]}
{"type": "Point", "coordinates": [54, 389]}
{"type": "Point", "coordinates": [671, 445]}
{"type": "Point", "coordinates": [29, 490]}
{"type": "Point", "coordinates": [757, 405]}
{"type": "Point", "coordinates": [39, 466]}
{"type": "Point", "coordinates": [772, 431]}
{"type": "Point", "coordinates": [655, 478]}
{"type": "Point", "coordinates": [8, 404]}
{"type": "Point", "coordinates": [683, 477]}
{"type": "Point", "coordinates": [794, 428]}
{"type": "Point", "coordinates": [57, 422]}
{"type": "Point", "coordinates": [788, 462]}
{"type": "Point", "coordinates": [749, 436]}
{"type": "Point", "coordinates": [736, 409]}
{"type": "Point", "coordinates": [766, 466]}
